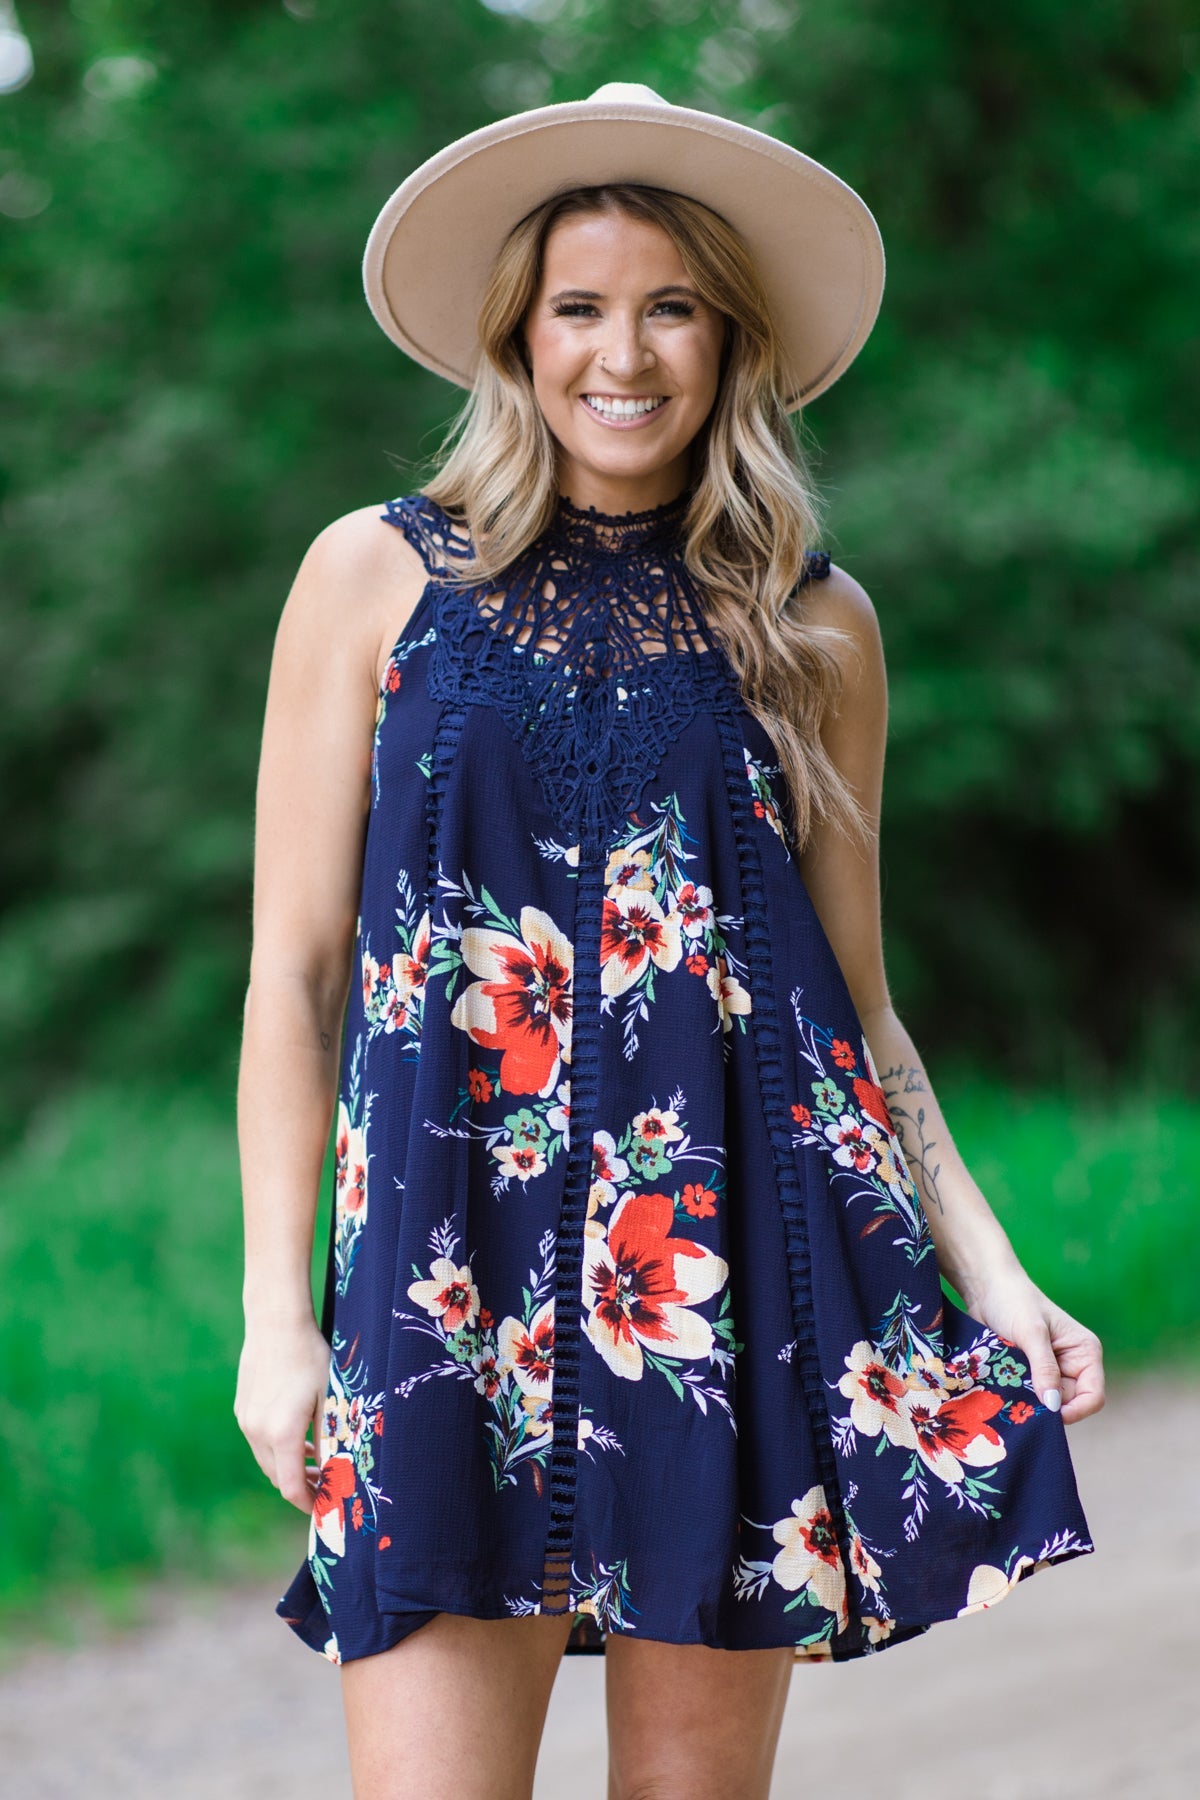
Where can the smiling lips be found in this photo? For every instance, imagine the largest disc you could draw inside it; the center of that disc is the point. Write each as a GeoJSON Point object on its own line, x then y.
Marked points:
{"type": "Point", "coordinates": [614, 410]}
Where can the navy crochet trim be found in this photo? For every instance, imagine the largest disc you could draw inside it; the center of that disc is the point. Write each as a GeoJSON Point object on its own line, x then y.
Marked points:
{"type": "Point", "coordinates": [441, 759]}
{"type": "Point", "coordinates": [592, 709]}
{"type": "Point", "coordinates": [764, 1021]}
{"type": "Point", "coordinates": [570, 1237]}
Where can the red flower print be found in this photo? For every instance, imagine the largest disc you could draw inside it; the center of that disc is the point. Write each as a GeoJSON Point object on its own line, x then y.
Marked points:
{"type": "Point", "coordinates": [843, 1055]}
{"type": "Point", "coordinates": [874, 1103]}
{"type": "Point", "coordinates": [522, 1006]}
{"type": "Point", "coordinates": [377, 1424]}
{"type": "Point", "coordinates": [528, 1350]}
{"type": "Point", "coordinates": [350, 1168]}
{"type": "Point", "coordinates": [385, 970]}
{"type": "Point", "coordinates": [393, 676]}
{"type": "Point", "coordinates": [802, 1115]}
{"type": "Point", "coordinates": [634, 933]}
{"type": "Point", "coordinates": [485, 1318]}
{"type": "Point", "coordinates": [697, 964]}
{"type": "Point", "coordinates": [356, 1513]}
{"type": "Point", "coordinates": [385, 1543]}
{"type": "Point", "coordinates": [701, 1202]}
{"type": "Point", "coordinates": [1019, 1411]}
{"type": "Point", "coordinates": [479, 1085]}
{"type": "Point", "coordinates": [335, 1483]}
{"type": "Point", "coordinates": [642, 1282]}
{"type": "Point", "coordinates": [957, 1432]}
{"type": "Point", "coordinates": [760, 811]}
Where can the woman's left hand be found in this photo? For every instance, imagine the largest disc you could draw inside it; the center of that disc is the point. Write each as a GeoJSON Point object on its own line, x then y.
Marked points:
{"type": "Point", "coordinates": [1062, 1354]}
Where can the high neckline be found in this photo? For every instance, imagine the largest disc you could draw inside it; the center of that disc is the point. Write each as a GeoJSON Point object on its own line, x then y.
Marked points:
{"type": "Point", "coordinates": [586, 527]}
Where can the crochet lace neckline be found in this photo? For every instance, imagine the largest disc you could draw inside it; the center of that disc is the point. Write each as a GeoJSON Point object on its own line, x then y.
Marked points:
{"type": "Point", "coordinates": [587, 528]}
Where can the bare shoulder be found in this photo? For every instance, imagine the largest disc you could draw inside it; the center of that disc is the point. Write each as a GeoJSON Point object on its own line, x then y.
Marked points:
{"type": "Point", "coordinates": [358, 584]}
{"type": "Point", "coordinates": [841, 601]}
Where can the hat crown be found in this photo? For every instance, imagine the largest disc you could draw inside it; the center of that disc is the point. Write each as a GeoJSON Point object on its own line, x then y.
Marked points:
{"type": "Point", "coordinates": [629, 92]}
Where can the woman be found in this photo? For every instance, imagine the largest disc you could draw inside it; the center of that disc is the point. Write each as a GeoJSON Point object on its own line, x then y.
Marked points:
{"type": "Point", "coordinates": [633, 1339]}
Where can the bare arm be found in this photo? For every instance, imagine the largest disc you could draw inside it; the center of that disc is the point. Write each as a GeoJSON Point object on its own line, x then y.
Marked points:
{"type": "Point", "coordinates": [354, 591]}
{"type": "Point", "coordinates": [973, 1250]}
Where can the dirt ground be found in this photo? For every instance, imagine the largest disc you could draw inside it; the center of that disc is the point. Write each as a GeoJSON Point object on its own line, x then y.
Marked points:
{"type": "Point", "coordinates": [1082, 1683]}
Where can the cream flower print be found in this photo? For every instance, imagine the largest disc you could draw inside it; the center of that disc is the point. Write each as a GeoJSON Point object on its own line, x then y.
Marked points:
{"type": "Point", "coordinates": [607, 1170]}
{"type": "Point", "coordinates": [731, 997]}
{"type": "Point", "coordinates": [449, 1295]}
{"type": "Point", "coordinates": [558, 1116]}
{"type": "Point", "coordinates": [409, 971]}
{"type": "Point", "coordinates": [523, 1161]}
{"type": "Point", "coordinates": [657, 1123]}
{"type": "Point", "coordinates": [695, 907]}
{"type": "Point", "coordinates": [630, 869]}
{"type": "Point", "coordinates": [863, 1564]}
{"type": "Point", "coordinates": [879, 1398]}
{"type": "Point", "coordinates": [809, 1557]}
{"type": "Point", "coordinates": [370, 977]}
{"type": "Point", "coordinates": [350, 1168]}
{"type": "Point", "coordinates": [528, 1351]}
{"type": "Point", "coordinates": [989, 1584]}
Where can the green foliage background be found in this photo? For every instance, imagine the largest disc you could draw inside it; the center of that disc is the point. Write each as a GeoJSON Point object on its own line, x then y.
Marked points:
{"type": "Point", "coordinates": [192, 387]}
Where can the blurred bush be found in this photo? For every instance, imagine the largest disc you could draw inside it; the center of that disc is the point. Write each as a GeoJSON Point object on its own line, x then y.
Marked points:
{"type": "Point", "coordinates": [191, 387]}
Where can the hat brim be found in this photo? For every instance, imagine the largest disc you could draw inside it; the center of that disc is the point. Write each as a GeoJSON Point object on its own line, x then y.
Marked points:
{"type": "Point", "coordinates": [815, 242]}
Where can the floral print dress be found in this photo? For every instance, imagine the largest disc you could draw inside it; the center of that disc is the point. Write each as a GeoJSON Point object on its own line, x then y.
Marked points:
{"type": "Point", "coordinates": [632, 1305]}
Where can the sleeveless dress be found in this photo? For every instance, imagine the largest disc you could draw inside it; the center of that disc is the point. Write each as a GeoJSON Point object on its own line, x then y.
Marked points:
{"type": "Point", "coordinates": [633, 1308]}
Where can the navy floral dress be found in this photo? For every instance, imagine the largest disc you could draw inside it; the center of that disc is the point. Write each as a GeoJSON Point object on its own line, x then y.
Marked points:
{"type": "Point", "coordinates": [633, 1308]}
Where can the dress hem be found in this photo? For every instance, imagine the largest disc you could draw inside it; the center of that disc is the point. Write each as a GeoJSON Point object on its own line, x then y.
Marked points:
{"type": "Point", "coordinates": [315, 1629]}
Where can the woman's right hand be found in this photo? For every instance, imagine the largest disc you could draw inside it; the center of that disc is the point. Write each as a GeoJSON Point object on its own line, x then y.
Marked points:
{"type": "Point", "coordinates": [282, 1381]}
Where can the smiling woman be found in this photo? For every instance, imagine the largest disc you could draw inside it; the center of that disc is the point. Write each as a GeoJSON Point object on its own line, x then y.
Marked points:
{"type": "Point", "coordinates": [632, 1340]}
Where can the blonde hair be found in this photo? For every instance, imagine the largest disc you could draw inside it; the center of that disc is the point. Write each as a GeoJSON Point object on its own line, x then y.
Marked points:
{"type": "Point", "coordinates": [753, 511]}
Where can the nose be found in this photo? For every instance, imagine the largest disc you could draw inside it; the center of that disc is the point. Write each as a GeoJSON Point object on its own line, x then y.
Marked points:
{"type": "Point", "coordinates": [624, 354]}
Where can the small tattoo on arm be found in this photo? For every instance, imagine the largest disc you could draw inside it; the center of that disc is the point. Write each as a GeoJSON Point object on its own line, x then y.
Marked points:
{"type": "Point", "coordinates": [895, 1082]}
{"type": "Point", "coordinates": [325, 1040]}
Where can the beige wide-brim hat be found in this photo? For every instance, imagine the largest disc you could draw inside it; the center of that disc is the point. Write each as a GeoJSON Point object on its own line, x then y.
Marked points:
{"type": "Point", "coordinates": [817, 246]}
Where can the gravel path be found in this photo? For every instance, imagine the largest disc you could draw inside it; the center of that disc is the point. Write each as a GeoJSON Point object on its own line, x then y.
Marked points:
{"type": "Point", "coordinates": [1059, 1693]}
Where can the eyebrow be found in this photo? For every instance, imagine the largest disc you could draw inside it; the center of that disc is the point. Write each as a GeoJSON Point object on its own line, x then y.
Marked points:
{"type": "Point", "coordinates": [653, 294]}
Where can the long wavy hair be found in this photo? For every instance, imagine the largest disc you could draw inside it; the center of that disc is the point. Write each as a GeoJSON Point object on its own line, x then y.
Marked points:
{"type": "Point", "coordinates": [753, 511]}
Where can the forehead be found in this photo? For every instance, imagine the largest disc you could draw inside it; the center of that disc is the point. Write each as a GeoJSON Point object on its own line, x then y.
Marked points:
{"type": "Point", "coordinates": [589, 249]}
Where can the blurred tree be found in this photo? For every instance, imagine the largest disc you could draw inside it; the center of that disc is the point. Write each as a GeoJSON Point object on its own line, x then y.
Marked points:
{"type": "Point", "coordinates": [192, 387]}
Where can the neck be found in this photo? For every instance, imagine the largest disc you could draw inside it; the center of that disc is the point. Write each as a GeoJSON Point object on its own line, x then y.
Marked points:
{"type": "Point", "coordinates": [616, 494]}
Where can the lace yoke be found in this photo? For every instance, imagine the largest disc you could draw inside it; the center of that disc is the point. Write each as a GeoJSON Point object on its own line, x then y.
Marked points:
{"type": "Point", "coordinates": [595, 651]}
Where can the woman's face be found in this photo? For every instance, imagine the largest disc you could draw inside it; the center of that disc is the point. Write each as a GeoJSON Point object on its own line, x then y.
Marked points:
{"type": "Point", "coordinates": [614, 288]}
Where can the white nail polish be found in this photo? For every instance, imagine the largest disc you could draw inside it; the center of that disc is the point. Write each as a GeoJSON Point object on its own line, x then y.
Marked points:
{"type": "Point", "coordinates": [1052, 1398]}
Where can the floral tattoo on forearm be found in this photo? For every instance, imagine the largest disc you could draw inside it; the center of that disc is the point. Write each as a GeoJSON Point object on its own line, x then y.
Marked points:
{"type": "Point", "coordinates": [918, 1148]}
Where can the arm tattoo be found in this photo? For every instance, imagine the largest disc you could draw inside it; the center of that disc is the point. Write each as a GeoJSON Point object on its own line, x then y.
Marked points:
{"type": "Point", "coordinates": [895, 1082]}
{"type": "Point", "coordinates": [325, 1040]}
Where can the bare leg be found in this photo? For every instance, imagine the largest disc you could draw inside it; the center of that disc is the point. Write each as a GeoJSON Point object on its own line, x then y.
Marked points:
{"type": "Point", "coordinates": [456, 1709]}
{"type": "Point", "coordinates": [689, 1723]}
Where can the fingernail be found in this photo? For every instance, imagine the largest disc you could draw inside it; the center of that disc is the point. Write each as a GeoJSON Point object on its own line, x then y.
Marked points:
{"type": "Point", "coordinates": [1052, 1398]}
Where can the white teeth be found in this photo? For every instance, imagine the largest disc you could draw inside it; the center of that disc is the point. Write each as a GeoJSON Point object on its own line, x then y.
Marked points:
{"type": "Point", "coordinates": [622, 409]}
